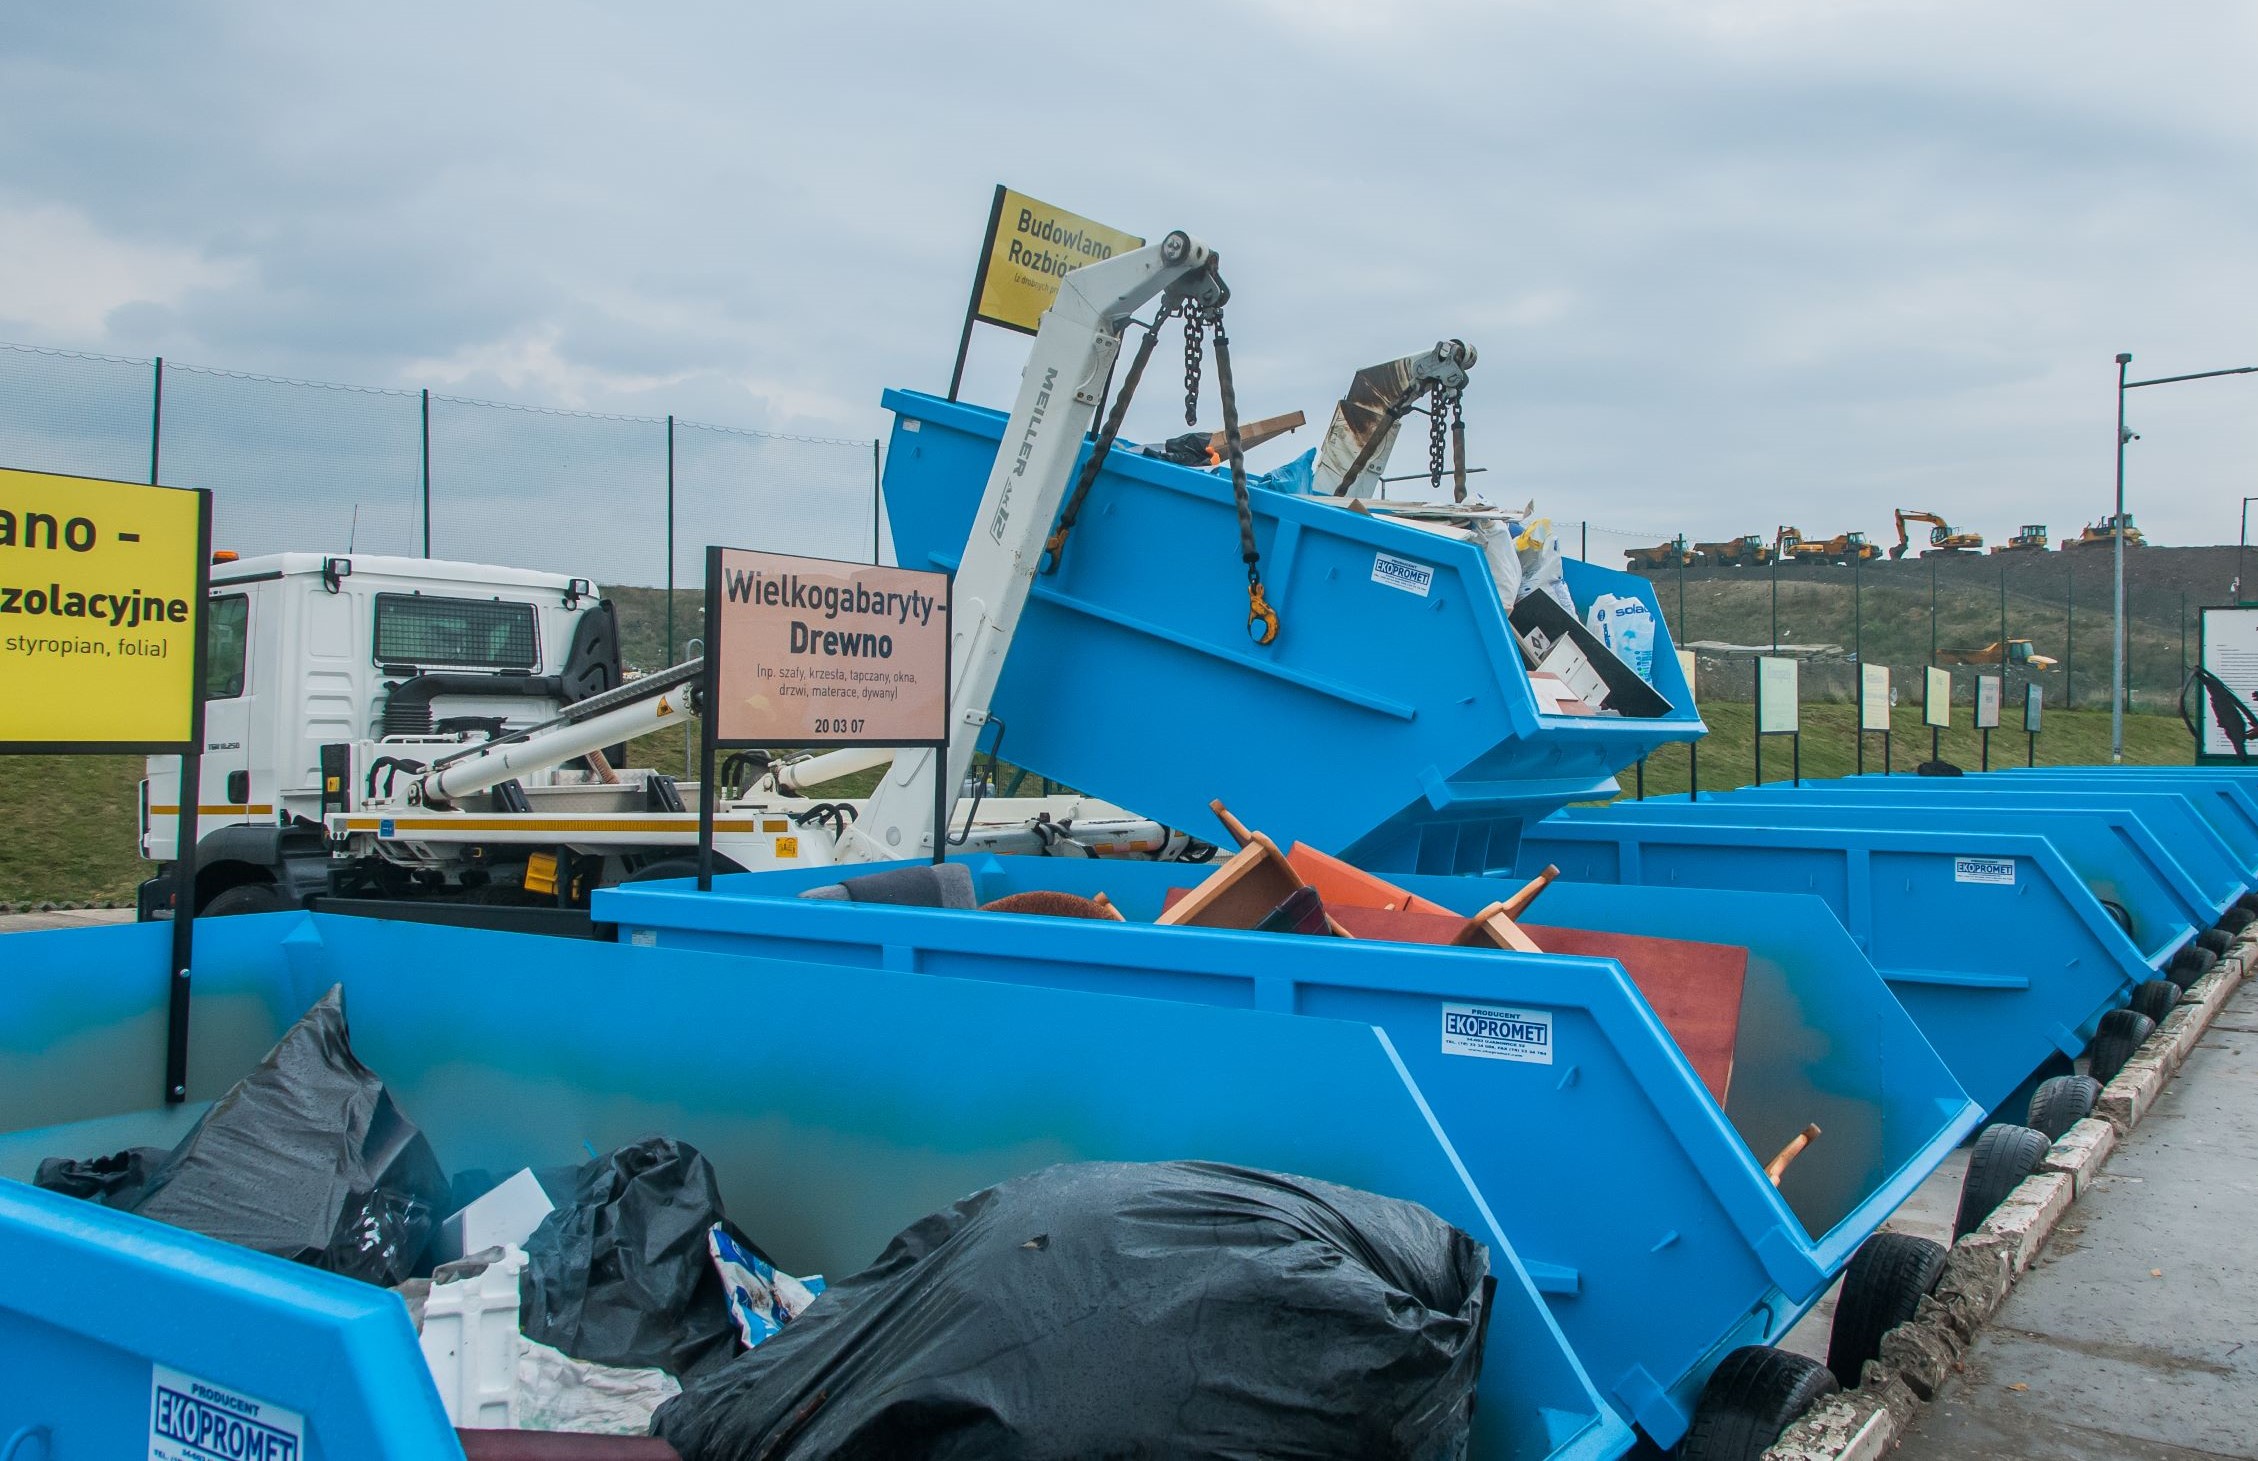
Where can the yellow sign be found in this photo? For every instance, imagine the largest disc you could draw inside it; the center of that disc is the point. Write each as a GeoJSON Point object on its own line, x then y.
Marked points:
{"type": "Point", "coordinates": [101, 612]}
{"type": "Point", "coordinates": [1031, 246]}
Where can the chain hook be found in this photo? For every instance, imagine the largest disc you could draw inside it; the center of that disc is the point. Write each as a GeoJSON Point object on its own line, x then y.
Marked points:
{"type": "Point", "coordinates": [1259, 610]}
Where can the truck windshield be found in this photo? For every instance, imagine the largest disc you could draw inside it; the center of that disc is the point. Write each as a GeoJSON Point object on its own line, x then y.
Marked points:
{"type": "Point", "coordinates": [420, 629]}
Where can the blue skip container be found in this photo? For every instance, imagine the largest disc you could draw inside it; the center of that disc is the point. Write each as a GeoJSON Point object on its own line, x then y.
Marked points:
{"type": "Point", "coordinates": [2166, 831]}
{"type": "Point", "coordinates": [1393, 704]}
{"type": "Point", "coordinates": [838, 1106]}
{"type": "Point", "coordinates": [1638, 1205]}
{"type": "Point", "coordinates": [1996, 945]}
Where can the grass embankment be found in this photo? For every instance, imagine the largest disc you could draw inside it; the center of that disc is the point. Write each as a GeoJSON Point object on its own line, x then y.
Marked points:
{"type": "Point", "coordinates": [67, 824]}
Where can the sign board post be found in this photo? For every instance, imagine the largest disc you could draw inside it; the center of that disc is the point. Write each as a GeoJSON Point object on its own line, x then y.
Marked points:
{"type": "Point", "coordinates": [808, 652]}
{"type": "Point", "coordinates": [1936, 709]}
{"type": "Point", "coordinates": [1690, 664]}
{"type": "Point", "coordinates": [1873, 712]}
{"type": "Point", "coordinates": [1988, 693]}
{"type": "Point", "coordinates": [102, 589]}
{"type": "Point", "coordinates": [2227, 662]}
{"type": "Point", "coordinates": [1778, 710]}
{"type": "Point", "coordinates": [2034, 707]}
{"type": "Point", "coordinates": [1030, 246]}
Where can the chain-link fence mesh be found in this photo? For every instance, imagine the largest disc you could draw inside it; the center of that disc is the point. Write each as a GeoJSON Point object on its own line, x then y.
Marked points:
{"type": "Point", "coordinates": [292, 465]}
{"type": "Point", "coordinates": [308, 466]}
{"type": "Point", "coordinates": [82, 415]}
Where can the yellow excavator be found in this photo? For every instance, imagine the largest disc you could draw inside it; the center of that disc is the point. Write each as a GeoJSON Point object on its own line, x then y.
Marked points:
{"type": "Point", "coordinates": [1942, 539]}
{"type": "Point", "coordinates": [1673, 554]}
{"type": "Point", "coordinates": [2031, 539]}
{"type": "Point", "coordinates": [2101, 534]}
{"type": "Point", "coordinates": [1749, 550]}
{"type": "Point", "coordinates": [1792, 547]}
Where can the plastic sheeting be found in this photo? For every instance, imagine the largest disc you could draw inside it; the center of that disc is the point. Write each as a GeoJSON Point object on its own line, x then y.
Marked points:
{"type": "Point", "coordinates": [306, 1158]}
{"type": "Point", "coordinates": [621, 1275]}
{"type": "Point", "coordinates": [1164, 1310]}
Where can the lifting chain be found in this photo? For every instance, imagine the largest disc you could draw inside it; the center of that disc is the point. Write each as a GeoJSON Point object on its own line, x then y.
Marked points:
{"type": "Point", "coordinates": [1440, 400]}
{"type": "Point", "coordinates": [1199, 320]}
{"type": "Point", "coordinates": [1262, 620]}
{"type": "Point", "coordinates": [1195, 326]}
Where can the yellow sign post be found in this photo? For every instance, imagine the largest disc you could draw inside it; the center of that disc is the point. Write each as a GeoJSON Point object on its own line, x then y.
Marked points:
{"type": "Point", "coordinates": [101, 614]}
{"type": "Point", "coordinates": [102, 590]}
{"type": "Point", "coordinates": [1030, 247]}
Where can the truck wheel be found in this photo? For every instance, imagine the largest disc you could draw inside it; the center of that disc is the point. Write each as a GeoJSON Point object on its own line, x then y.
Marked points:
{"type": "Point", "coordinates": [1887, 1278]}
{"type": "Point", "coordinates": [1753, 1395]}
{"type": "Point", "coordinates": [2061, 1102]}
{"type": "Point", "coordinates": [2119, 1035]}
{"type": "Point", "coordinates": [2217, 940]}
{"type": "Point", "coordinates": [2004, 1155]}
{"type": "Point", "coordinates": [244, 898]}
{"type": "Point", "coordinates": [2155, 999]}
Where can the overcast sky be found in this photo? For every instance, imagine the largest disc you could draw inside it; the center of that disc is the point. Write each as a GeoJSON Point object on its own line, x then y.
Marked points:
{"type": "Point", "coordinates": [1729, 264]}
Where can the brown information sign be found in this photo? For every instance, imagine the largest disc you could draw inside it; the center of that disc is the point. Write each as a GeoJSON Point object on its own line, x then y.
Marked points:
{"type": "Point", "coordinates": [812, 652]}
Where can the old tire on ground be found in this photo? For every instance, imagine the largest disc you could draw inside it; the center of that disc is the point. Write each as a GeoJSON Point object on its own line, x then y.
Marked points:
{"type": "Point", "coordinates": [2217, 940]}
{"type": "Point", "coordinates": [1887, 1278]}
{"type": "Point", "coordinates": [2061, 1102]}
{"type": "Point", "coordinates": [2191, 963]}
{"type": "Point", "coordinates": [2004, 1155]}
{"type": "Point", "coordinates": [2119, 1035]}
{"type": "Point", "coordinates": [2155, 999]}
{"type": "Point", "coordinates": [2236, 919]}
{"type": "Point", "coordinates": [2248, 901]}
{"type": "Point", "coordinates": [244, 898]}
{"type": "Point", "coordinates": [1755, 1393]}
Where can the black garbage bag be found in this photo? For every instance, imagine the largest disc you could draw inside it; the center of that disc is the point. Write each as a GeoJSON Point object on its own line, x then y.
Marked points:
{"type": "Point", "coordinates": [117, 1180]}
{"type": "Point", "coordinates": [622, 1275]}
{"type": "Point", "coordinates": [1181, 1309]}
{"type": "Point", "coordinates": [308, 1158]}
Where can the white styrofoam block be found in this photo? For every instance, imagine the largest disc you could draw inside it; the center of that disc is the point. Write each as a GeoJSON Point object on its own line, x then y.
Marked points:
{"type": "Point", "coordinates": [505, 1216]}
{"type": "Point", "coordinates": [470, 1341]}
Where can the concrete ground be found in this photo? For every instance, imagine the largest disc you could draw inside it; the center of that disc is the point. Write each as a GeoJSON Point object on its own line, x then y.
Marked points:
{"type": "Point", "coordinates": [63, 918]}
{"type": "Point", "coordinates": [2135, 1335]}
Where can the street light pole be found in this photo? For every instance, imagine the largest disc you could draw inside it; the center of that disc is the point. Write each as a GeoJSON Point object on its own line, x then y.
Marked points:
{"type": "Point", "coordinates": [2242, 553]}
{"type": "Point", "coordinates": [2117, 573]}
{"type": "Point", "coordinates": [2117, 675]}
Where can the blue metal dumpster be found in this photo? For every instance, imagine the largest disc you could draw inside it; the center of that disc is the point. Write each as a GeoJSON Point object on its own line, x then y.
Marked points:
{"type": "Point", "coordinates": [2226, 799]}
{"type": "Point", "coordinates": [1996, 947]}
{"type": "Point", "coordinates": [1638, 1205]}
{"type": "Point", "coordinates": [1389, 700]}
{"type": "Point", "coordinates": [837, 1104]}
{"type": "Point", "coordinates": [2166, 828]}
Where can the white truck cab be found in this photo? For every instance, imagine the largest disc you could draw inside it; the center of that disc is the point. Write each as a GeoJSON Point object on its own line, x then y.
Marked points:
{"type": "Point", "coordinates": [304, 650]}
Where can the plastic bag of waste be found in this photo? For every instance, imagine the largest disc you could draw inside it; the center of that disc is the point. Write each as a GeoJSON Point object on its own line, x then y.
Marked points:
{"type": "Point", "coordinates": [308, 1158]}
{"type": "Point", "coordinates": [559, 1393]}
{"type": "Point", "coordinates": [621, 1275]}
{"type": "Point", "coordinates": [1540, 564]}
{"type": "Point", "coordinates": [1167, 1310]}
{"type": "Point", "coordinates": [1504, 559]}
{"type": "Point", "coordinates": [117, 1180]}
{"type": "Point", "coordinates": [761, 1299]}
{"type": "Point", "coordinates": [1626, 626]}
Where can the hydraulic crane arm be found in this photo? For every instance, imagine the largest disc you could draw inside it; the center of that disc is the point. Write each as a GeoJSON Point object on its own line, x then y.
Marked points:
{"type": "Point", "coordinates": [1066, 372]}
{"type": "Point", "coordinates": [1363, 430]}
{"type": "Point", "coordinates": [619, 714]}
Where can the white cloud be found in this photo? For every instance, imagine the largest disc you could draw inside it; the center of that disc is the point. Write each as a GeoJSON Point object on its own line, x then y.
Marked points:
{"type": "Point", "coordinates": [62, 278]}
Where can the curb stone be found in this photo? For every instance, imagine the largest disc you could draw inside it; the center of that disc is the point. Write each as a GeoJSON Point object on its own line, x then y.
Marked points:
{"type": "Point", "coordinates": [1981, 1268]}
